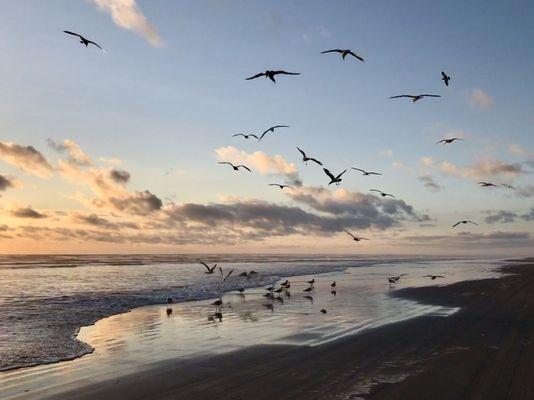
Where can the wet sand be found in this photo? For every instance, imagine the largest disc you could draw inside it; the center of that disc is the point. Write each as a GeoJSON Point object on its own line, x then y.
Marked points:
{"type": "Point", "coordinates": [484, 351]}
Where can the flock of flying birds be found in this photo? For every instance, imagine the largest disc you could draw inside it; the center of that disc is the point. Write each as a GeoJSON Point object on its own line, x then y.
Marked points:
{"type": "Point", "coordinates": [274, 293]}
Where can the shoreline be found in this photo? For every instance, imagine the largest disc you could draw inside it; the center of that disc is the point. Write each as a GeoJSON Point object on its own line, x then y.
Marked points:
{"type": "Point", "coordinates": [415, 358]}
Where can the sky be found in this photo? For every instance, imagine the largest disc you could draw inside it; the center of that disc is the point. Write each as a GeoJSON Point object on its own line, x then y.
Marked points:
{"type": "Point", "coordinates": [117, 151]}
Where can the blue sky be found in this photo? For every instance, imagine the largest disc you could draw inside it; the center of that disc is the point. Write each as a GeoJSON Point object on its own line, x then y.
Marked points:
{"type": "Point", "coordinates": [169, 107]}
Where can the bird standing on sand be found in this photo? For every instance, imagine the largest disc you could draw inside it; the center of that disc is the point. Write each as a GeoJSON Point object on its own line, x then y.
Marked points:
{"type": "Point", "coordinates": [209, 270]}
{"type": "Point", "coordinates": [344, 53]}
{"type": "Point", "coordinates": [323, 311]}
{"type": "Point", "coordinates": [83, 40]}
{"type": "Point", "coordinates": [305, 158]}
{"type": "Point", "coordinates": [355, 238]}
{"type": "Point", "coordinates": [333, 285]}
{"type": "Point", "coordinates": [271, 74]}
{"type": "Point", "coordinates": [433, 277]}
{"type": "Point", "coordinates": [415, 97]}
{"type": "Point", "coordinates": [383, 194]}
{"type": "Point", "coordinates": [235, 167]}
{"type": "Point", "coordinates": [445, 78]}
{"type": "Point", "coordinates": [334, 179]}
{"type": "Point", "coordinates": [366, 173]}
{"type": "Point", "coordinates": [312, 282]}
{"type": "Point", "coordinates": [308, 290]}
{"type": "Point", "coordinates": [464, 222]}
{"type": "Point", "coordinates": [448, 141]}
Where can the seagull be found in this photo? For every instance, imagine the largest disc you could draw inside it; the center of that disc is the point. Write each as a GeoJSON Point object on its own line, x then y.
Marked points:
{"type": "Point", "coordinates": [448, 141]}
{"type": "Point", "coordinates": [355, 238]}
{"type": "Point", "coordinates": [334, 179]}
{"type": "Point", "coordinates": [415, 97]}
{"type": "Point", "coordinates": [245, 136]}
{"type": "Point", "coordinates": [464, 222]}
{"type": "Point", "coordinates": [271, 129]}
{"type": "Point", "coordinates": [223, 277]}
{"type": "Point", "coordinates": [383, 194]}
{"type": "Point", "coordinates": [333, 284]}
{"type": "Point", "coordinates": [305, 158]}
{"type": "Point", "coordinates": [508, 186]}
{"type": "Point", "coordinates": [281, 186]}
{"type": "Point", "coordinates": [244, 275]}
{"type": "Point", "coordinates": [285, 284]}
{"type": "Point", "coordinates": [83, 40]}
{"type": "Point", "coordinates": [395, 279]}
{"type": "Point", "coordinates": [310, 298]}
{"type": "Point", "coordinates": [209, 270]}
{"type": "Point", "coordinates": [487, 184]}
{"type": "Point", "coordinates": [217, 303]}
{"type": "Point", "coordinates": [366, 173]}
{"type": "Point", "coordinates": [270, 288]}
{"type": "Point", "coordinates": [279, 290]}
{"type": "Point", "coordinates": [308, 290]}
{"type": "Point", "coordinates": [271, 75]}
{"type": "Point", "coordinates": [253, 273]}
{"type": "Point", "coordinates": [433, 277]}
{"type": "Point", "coordinates": [344, 53]}
{"type": "Point", "coordinates": [323, 311]}
{"type": "Point", "coordinates": [312, 281]}
{"type": "Point", "coordinates": [235, 167]}
{"type": "Point", "coordinates": [445, 78]}
{"type": "Point", "coordinates": [241, 290]}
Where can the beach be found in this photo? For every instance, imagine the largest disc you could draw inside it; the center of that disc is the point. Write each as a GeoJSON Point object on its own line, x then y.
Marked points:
{"type": "Point", "coordinates": [481, 351]}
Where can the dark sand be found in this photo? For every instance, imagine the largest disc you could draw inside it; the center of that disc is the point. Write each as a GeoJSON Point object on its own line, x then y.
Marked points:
{"type": "Point", "coordinates": [485, 351]}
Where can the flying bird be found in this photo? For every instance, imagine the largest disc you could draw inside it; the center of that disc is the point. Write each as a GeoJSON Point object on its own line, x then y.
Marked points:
{"type": "Point", "coordinates": [383, 194]}
{"type": "Point", "coordinates": [271, 75]}
{"type": "Point", "coordinates": [448, 141]}
{"type": "Point", "coordinates": [395, 279]}
{"type": "Point", "coordinates": [235, 167]}
{"type": "Point", "coordinates": [354, 237]}
{"type": "Point", "coordinates": [445, 78]}
{"type": "Point", "coordinates": [271, 130]}
{"type": "Point", "coordinates": [415, 97]}
{"type": "Point", "coordinates": [83, 40]}
{"type": "Point", "coordinates": [344, 53]}
{"type": "Point", "coordinates": [334, 179]}
{"type": "Point", "coordinates": [433, 277]}
{"type": "Point", "coordinates": [225, 277]}
{"type": "Point", "coordinates": [305, 158]}
{"type": "Point", "coordinates": [281, 186]}
{"type": "Point", "coordinates": [464, 222]}
{"type": "Point", "coordinates": [487, 184]}
{"type": "Point", "coordinates": [508, 186]}
{"type": "Point", "coordinates": [209, 270]}
{"type": "Point", "coordinates": [245, 136]}
{"type": "Point", "coordinates": [366, 173]}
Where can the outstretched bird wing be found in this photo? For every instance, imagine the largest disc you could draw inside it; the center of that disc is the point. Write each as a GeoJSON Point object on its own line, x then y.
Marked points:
{"type": "Point", "coordinates": [356, 56]}
{"type": "Point", "coordinates": [96, 44]}
{"type": "Point", "coordinates": [458, 223]}
{"type": "Point", "coordinates": [278, 126]}
{"type": "Point", "coordinates": [429, 95]}
{"type": "Point", "coordinates": [471, 222]}
{"type": "Point", "coordinates": [285, 73]}
{"type": "Point", "coordinates": [402, 95]}
{"type": "Point", "coordinates": [244, 166]}
{"type": "Point", "coordinates": [206, 265]}
{"type": "Point", "coordinates": [348, 233]}
{"type": "Point", "coordinates": [225, 162]}
{"type": "Point", "coordinates": [239, 134]}
{"type": "Point", "coordinates": [315, 160]}
{"type": "Point", "coordinates": [339, 176]}
{"type": "Point", "coordinates": [74, 34]}
{"type": "Point", "coordinates": [374, 173]}
{"type": "Point", "coordinates": [376, 190]}
{"type": "Point", "coordinates": [332, 51]}
{"type": "Point", "coordinates": [361, 170]}
{"type": "Point", "coordinates": [302, 152]}
{"type": "Point", "coordinates": [327, 172]}
{"type": "Point", "coordinates": [253, 135]}
{"type": "Point", "coordinates": [255, 76]}
{"type": "Point", "coordinates": [276, 184]}
{"type": "Point", "coordinates": [442, 141]}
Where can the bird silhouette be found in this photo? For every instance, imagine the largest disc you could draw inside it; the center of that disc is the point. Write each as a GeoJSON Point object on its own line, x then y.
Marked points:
{"type": "Point", "coordinates": [271, 74]}
{"type": "Point", "coordinates": [209, 270]}
{"type": "Point", "coordinates": [415, 97]}
{"type": "Point", "coordinates": [334, 179]}
{"type": "Point", "coordinates": [323, 311]}
{"type": "Point", "coordinates": [448, 141]}
{"type": "Point", "coordinates": [354, 237]}
{"type": "Point", "coordinates": [333, 284]}
{"type": "Point", "coordinates": [235, 167]}
{"type": "Point", "coordinates": [433, 277]}
{"type": "Point", "coordinates": [508, 186]}
{"type": "Point", "coordinates": [445, 78]}
{"type": "Point", "coordinates": [383, 194]}
{"type": "Point", "coordinates": [83, 40]}
{"type": "Point", "coordinates": [271, 130]}
{"type": "Point", "coordinates": [281, 186]}
{"type": "Point", "coordinates": [245, 136]}
{"type": "Point", "coordinates": [312, 281]}
{"type": "Point", "coordinates": [344, 53]}
{"type": "Point", "coordinates": [366, 173]}
{"type": "Point", "coordinates": [395, 279]}
{"type": "Point", "coordinates": [308, 290]}
{"type": "Point", "coordinates": [464, 222]}
{"type": "Point", "coordinates": [305, 158]}
{"type": "Point", "coordinates": [487, 184]}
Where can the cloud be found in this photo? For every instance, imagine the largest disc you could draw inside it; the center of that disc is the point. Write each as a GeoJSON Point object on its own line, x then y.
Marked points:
{"type": "Point", "coordinates": [501, 216]}
{"type": "Point", "coordinates": [119, 176]}
{"type": "Point", "coordinates": [26, 158]}
{"type": "Point", "coordinates": [111, 161]}
{"type": "Point", "coordinates": [525, 191]}
{"type": "Point", "coordinates": [482, 168]}
{"type": "Point", "coordinates": [429, 183]}
{"type": "Point", "coordinates": [261, 162]}
{"type": "Point", "coordinates": [6, 182]}
{"type": "Point", "coordinates": [480, 99]}
{"type": "Point", "coordinates": [27, 212]}
{"type": "Point", "coordinates": [489, 240]}
{"type": "Point", "coordinates": [76, 154]}
{"type": "Point", "coordinates": [96, 221]}
{"type": "Point", "coordinates": [386, 153]}
{"type": "Point", "coordinates": [529, 215]}
{"type": "Point", "coordinates": [127, 15]}
{"type": "Point", "coordinates": [138, 203]}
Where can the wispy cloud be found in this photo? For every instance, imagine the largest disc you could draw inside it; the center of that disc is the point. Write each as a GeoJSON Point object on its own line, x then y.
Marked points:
{"type": "Point", "coordinates": [127, 15]}
{"type": "Point", "coordinates": [26, 158]}
{"type": "Point", "coordinates": [480, 99]}
{"type": "Point", "coordinates": [386, 153]}
{"type": "Point", "coordinates": [429, 183]}
{"type": "Point", "coordinates": [75, 153]}
{"type": "Point", "coordinates": [7, 182]}
{"type": "Point", "coordinates": [27, 212]}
